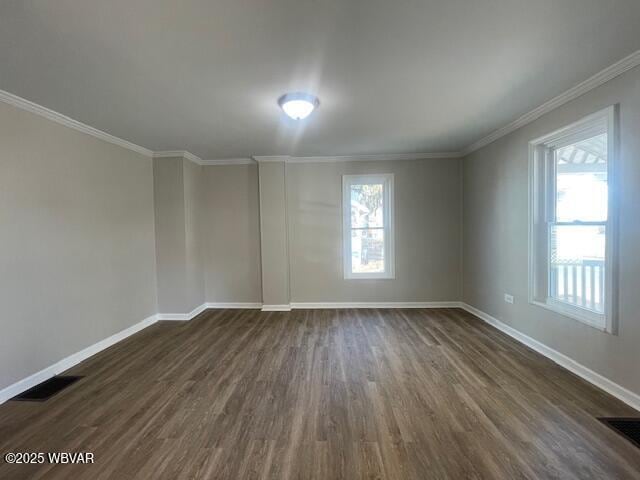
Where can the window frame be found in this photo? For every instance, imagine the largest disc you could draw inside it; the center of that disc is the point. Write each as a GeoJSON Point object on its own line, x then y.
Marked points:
{"type": "Point", "coordinates": [542, 197]}
{"type": "Point", "coordinates": [387, 179]}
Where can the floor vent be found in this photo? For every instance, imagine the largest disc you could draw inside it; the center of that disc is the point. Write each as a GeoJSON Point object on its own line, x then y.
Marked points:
{"type": "Point", "coordinates": [629, 428]}
{"type": "Point", "coordinates": [47, 389]}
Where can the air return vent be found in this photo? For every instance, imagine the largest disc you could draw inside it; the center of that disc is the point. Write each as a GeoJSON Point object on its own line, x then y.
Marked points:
{"type": "Point", "coordinates": [627, 427]}
{"type": "Point", "coordinates": [47, 389]}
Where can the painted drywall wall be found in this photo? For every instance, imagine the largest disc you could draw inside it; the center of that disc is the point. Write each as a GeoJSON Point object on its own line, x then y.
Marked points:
{"type": "Point", "coordinates": [428, 232]}
{"type": "Point", "coordinates": [170, 239]}
{"type": "Point", "coordinates": [427, 237]}
{"type": "Point", "coordinates": [231, 234]}
{"type": "Point", "coordinates": [194, 205]}
{"type": "Point", "coordinates": [77, 257]}
{"type": "Point", "coordinates": [495, 245]}
{"type": "Point", "coordinates": [273, 233]}
{"type": "Point", "coordinates": [179, 199]}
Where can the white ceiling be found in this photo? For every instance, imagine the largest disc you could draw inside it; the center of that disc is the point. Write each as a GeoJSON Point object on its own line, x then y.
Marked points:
{"type": "Point", "coordinates": [397, 76]}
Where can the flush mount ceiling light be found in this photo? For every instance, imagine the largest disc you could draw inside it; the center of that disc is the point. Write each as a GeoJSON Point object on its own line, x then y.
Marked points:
{"type": "Point", "coordinates": [298, 105]}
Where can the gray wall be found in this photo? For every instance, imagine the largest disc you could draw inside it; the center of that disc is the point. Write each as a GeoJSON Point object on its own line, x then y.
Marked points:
{"type": "Point", "coordinates": [179, 203]}
{"type": "Point", "coordinates": [77, 257]}
{"type": "Point", "coordinates": [168, 179]}
{"type": "Point", "coordinates": [427, 238]}
{"type": "Point", "coordinates": [495, 190]}
{"type": "Point", "coordinates": [428, 232]}
{"type": "Point", "coordinates": [78, 243]}
{"type": "Point", "coordinates": [194, 200]}
{"type": "Point", "coordinates": [231, 239]}
{"type": "Point", "coordinates": [274, 246]}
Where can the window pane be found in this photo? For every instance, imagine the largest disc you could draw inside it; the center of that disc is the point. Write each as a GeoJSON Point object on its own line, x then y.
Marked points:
{"type": "Point", "coordinates": [581, 182]}
{"type": "Point", "coordinates": [366, 205]}
{"type": "Point", "coordinates": [367, 251]}
{"type": "Point", "coordinates": [577, 270]}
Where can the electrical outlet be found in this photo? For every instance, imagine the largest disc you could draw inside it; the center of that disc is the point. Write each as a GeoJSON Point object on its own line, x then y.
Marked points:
{"type": "Point", "coordinates": [508, 298]}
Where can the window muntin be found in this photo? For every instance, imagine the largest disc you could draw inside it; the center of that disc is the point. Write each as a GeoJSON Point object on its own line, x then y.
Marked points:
{"type": "Point", "coordinates": [572, 223]}
{"type": "Point", "coordinates": [368, 222]}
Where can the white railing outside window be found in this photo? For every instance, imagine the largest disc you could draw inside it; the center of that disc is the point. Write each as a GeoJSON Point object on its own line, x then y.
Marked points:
{"type": "Point", "coordinates": [573, 220]}
{"type": "Point", "coordinates": [579, 283]}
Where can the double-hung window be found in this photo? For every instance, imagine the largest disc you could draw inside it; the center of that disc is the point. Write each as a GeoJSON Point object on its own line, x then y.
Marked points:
{"type": "Point", "coordinates": [368, 236]}
{"type": "Point", "coordinates": [572, 226]}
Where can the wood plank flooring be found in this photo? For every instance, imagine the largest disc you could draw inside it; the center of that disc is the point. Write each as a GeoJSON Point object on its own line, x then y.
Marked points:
{"type": "Point", "coordinates": [322, 394]}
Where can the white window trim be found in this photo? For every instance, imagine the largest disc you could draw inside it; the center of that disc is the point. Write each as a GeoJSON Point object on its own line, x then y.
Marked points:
{"type": "Point", "coordinates": [538, 267]}
{"type": "Point", "coordinates": [389, 230]}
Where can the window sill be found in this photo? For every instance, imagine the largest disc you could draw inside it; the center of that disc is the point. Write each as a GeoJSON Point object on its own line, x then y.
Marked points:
{"type": "Point", "coordinates": [369, 276]}
{"type": "Point", "coordinates": [593, 320]}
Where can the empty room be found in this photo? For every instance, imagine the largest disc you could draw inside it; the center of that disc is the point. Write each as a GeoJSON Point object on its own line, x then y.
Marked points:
{"type": "Point", "coordinates": [303, 239]}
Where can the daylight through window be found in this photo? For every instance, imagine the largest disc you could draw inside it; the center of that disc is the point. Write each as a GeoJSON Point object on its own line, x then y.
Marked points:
{"type": "Point", "coordinates": [368, 226]}
{"type": "Point", "coordinates": [572, 234]}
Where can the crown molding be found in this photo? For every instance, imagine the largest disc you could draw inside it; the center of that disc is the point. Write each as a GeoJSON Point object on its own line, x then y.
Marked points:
{"type": "Point", "coordinates": [595, 81]}
{"type": "Point", "coordinates": [374, 158]}
{"type": "Point", "coordinates": [591, 83]}
{"type": "Point", "coordinates": [272, 158]}
{"type": "Point", "coordinates": [356, 158]}
{"type": "Point", "coordinates": [49, 114]}
{"type": "Point", "coordinates": [178, 154]}
{"type": "Point", "coordinates": [229, 161]}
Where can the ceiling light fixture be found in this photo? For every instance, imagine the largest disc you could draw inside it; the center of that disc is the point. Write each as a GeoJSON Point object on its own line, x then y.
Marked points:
{"type": "Point", "coordinates": [298, 105]}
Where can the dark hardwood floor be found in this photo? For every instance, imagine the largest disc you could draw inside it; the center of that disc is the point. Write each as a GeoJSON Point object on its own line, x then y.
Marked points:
{"type": "Point", "coordinates": [394, 394]}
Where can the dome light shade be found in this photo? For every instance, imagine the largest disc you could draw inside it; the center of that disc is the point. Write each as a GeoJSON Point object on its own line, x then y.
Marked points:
{"type": "Point", "coordinates": [298, 105]}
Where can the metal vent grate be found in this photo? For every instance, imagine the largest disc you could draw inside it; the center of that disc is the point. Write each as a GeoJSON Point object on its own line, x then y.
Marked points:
{"type": "Point", "coordinates": [627, 427]}
{"type": "Point", "coordinates": [47, 389]}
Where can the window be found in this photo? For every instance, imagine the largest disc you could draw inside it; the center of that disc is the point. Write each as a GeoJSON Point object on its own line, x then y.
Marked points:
{"type": "Point", "coordinates": [572, 231]}
{"type": "Point", "coordinates": [367, 202]}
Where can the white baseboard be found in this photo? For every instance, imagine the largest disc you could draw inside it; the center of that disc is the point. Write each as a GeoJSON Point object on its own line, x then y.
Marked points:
{"type": "Point", "coordinates": [72, 360]}
{"type": "Point", "coordinates": [321, 305]}
{"type": "Point", "coordinates": [316, 305]}
{"type": "Point", "coordinates": [240, 306]}
{"type": "Point", "coordinates": [630, 398]}
{"type": "Point", "coordinates": [183, 317]}
{"type": "Point", "coordinates": [276, 308]}
{"type": "Point", "coordinates": [309, 305]}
